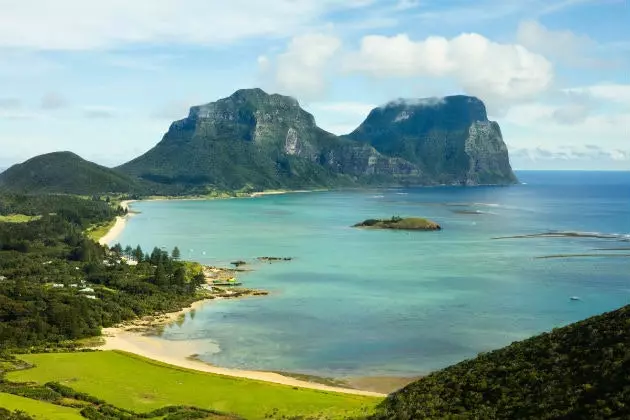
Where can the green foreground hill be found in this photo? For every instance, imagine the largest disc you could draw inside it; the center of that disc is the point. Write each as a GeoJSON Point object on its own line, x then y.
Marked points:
{"type": "Point", "coordinates": [581, 371]}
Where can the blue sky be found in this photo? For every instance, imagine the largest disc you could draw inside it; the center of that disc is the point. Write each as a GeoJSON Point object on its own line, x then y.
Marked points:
{"type": "Point", "coordinates": [105, 79]}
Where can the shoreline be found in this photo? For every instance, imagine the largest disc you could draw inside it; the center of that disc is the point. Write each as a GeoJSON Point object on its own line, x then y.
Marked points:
{"type": "Point", "coordinates": [132, 338]}
{"type": "Point", "coordinates": [139, 336]}
{"type": "Point", "coordinates": [119, 225]}
{"type": "Point", "coordinates": [121, 221]}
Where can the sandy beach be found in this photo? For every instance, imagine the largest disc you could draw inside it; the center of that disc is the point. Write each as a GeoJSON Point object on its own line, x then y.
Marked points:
{"type": "Point", "coordinates": [279, 192]}
{"type": "Point", "coordinates": [130, 338]}
{"type": "Point", "coordinates": [119, 225]}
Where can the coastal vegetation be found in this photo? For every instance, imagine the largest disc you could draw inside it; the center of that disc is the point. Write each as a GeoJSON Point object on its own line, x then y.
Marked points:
{"type": "Point", "coordinates": [396, 222]}
{"type": "Point", "coordinates": [58, 285]}
{"type": "Point", "coordinates": [581, 371]}
{"type": "Point", "coordinates": [142, 385]}
{"type": "Point", "coordinates": [58, 288]}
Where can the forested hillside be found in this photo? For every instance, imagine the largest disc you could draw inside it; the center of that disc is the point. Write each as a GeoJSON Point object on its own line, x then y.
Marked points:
{"type": "Point", "coordinates": [581, 371]}
{"type": "Point", "coordinates": [67, 173]}
{"type": "Point", "coordinates": [57, 285]}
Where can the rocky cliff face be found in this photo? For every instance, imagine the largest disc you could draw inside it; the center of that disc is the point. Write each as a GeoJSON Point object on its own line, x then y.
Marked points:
{"type": "Point", "coordinates": [256, 140]}
{"type": "Point", "coordinates": [449, 139]}
{"type": "Point", "coordinates": [261, 141]}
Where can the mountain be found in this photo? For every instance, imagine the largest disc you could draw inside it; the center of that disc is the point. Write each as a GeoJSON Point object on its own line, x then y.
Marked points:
{"type": "Point", "coordinates": [67, 173]}
{"type": "Point", "coordinates": [252, 140]}
{"type": "Point", "coordinates": [581, 371]}
{"type": "Point", "coordinates": [256, 140]}
{"type": "Point", "coordinates": [449, 139]}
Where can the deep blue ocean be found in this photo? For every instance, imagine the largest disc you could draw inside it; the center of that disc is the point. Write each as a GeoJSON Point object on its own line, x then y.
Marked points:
{"type": "Point", "coordinates": [362, 302]}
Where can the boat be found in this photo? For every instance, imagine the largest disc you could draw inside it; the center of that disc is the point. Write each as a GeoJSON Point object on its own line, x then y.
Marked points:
{"type": "Point", "coordinates": [575, 298]}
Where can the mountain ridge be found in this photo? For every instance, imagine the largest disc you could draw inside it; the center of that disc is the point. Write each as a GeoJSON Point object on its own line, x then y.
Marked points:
{"type": "Point", "coordinates": [252, 140]}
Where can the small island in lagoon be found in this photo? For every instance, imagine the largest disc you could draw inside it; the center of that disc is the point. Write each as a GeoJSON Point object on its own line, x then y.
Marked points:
{"type": "Point", "coordinates": [400, 223]}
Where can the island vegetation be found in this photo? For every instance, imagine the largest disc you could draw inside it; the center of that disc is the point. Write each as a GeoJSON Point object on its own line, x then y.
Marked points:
{"type": "Point", "coordinates": [396, 222]}
{"type": "Point", "coordinates": [581, 371]}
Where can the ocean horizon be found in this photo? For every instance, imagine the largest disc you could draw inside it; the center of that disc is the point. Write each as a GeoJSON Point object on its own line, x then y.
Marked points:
{"type": "Point", "coordinates": [355, 302]}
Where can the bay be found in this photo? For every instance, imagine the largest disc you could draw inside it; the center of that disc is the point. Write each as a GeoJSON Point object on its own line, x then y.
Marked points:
{"type": "Point", "coordinates": [358, 302]}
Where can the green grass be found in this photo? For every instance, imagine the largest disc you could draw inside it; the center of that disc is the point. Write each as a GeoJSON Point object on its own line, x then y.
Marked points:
{"type": "Point", "coordinates": [18, 218]}
{"type": "Point", "coordinates": [38, 409]}
{"type": "Point", "coordinates": [98, 231]}
{"type": "Point", "coordinates": [139, 384]}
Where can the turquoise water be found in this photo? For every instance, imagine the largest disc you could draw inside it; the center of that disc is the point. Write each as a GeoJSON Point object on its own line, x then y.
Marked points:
{"type": "Point", "coordinates": [357, 302]}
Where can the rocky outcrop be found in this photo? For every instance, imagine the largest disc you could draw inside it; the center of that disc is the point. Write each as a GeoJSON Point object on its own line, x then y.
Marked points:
{"type": "Point", "coordinates": [449, 139]}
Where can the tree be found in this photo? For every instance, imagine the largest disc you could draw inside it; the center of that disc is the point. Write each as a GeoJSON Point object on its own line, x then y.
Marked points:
{"type": "Point", "coordinates": [160, 276]}
{"type": "Point", "coordinates": [155, 257]}
{"type": "Point", "coordinates": [138, 254]}
{"type": "Point", "coordinates": [180, 276]}
{"type": "Point", "coordinates": [117, 248]}
{"type": "Point", "coordinates": [176, 254]}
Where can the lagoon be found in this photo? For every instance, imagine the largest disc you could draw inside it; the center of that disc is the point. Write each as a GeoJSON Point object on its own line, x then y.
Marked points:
{"type": "Point", "coordinates": [356, 302]}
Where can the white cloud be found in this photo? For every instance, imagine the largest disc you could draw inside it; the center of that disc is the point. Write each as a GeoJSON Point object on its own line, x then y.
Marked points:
{"type": "Point", "coordinates": [564, 45]}
{"type": "Point", "coordinates": [536, 125]}
{"type": "Point", "coordinates": [339, 117]}
{"type": "Point", "coordinates": [500, 74]}
{"type": "Point", "coordinates": [301, 70]}
{"type": "Point", "coordinates": [407, 4]}
{"type": "Point", "coordinates": [613, 92]}
{"type": "Point", "coordinates": [571, 113]}
{"type": "Point", "coordinates": [153, 62]}
{"type": "Point", "coordinates": [570, 157]}
{"type": "Point", "coordinates": [81, 25]}
{"type": "Point", "coordinates": [352, 108]}
{"type": "Point", "coordinates": [484, 11]}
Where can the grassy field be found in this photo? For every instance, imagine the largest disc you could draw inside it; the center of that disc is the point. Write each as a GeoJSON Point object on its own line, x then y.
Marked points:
{"type": "Point", "coordinates": [142, 385]}
{"type": "Point", "coordinates": [97, 232]}
{"type": "Point", "coordinates": [38, 409]}
{"type": "Point", "coordinates": [18, 218]}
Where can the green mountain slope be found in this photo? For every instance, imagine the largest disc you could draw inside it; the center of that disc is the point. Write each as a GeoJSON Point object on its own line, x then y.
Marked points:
{"type": "Point", "coordinates": [67, 173]}
{"type": "Point", "coordinates": [262, 141]}
{"type": "Point", "coordinates": [581, 371]}
{"type": "Point", "coordinates": [450, 139]}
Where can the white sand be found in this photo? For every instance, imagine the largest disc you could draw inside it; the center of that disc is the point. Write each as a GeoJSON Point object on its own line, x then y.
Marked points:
{"type": "Point", "coordinates": [177, 353]}
{"type": "Point", "coordinates": [118, 227]}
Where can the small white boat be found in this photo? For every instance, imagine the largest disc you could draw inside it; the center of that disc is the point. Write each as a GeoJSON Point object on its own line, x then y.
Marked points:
{"type": "Point", "coordinates": [575, 298]}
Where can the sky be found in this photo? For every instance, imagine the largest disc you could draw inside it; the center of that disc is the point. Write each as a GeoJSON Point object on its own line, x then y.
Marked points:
{"type": "Point", "coordinates": [105, 79]}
